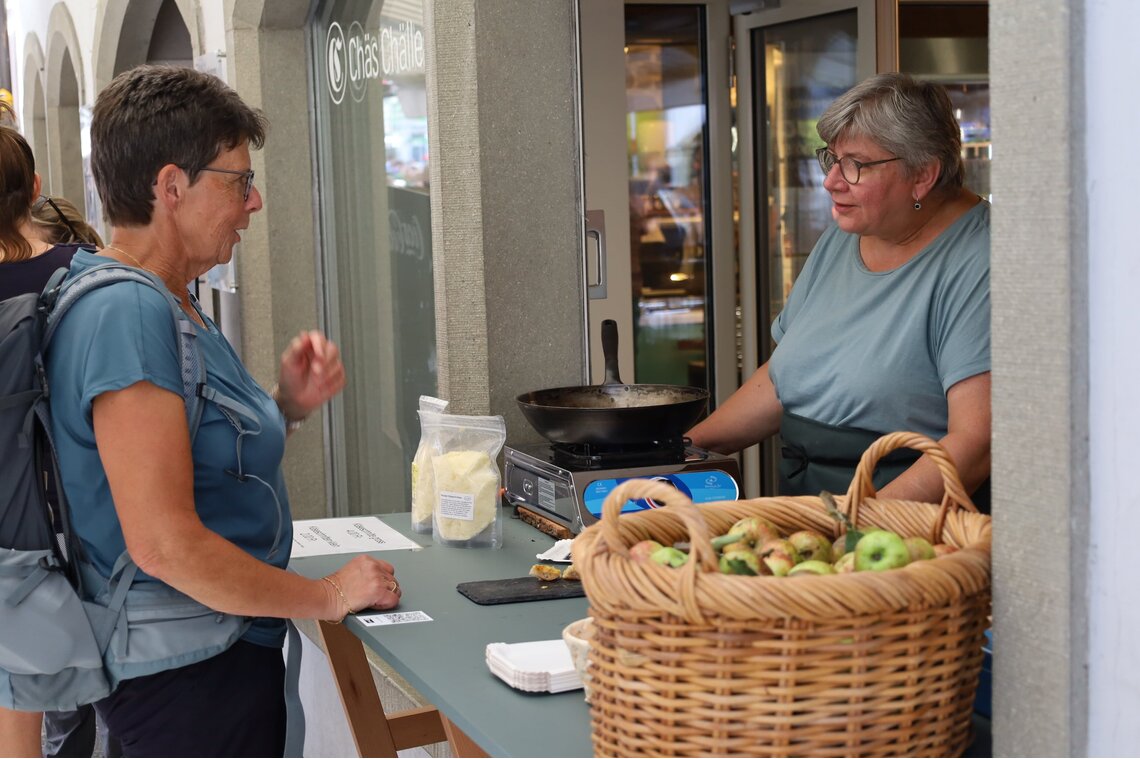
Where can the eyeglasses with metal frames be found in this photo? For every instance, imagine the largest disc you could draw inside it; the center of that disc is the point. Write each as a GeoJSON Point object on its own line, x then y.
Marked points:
{"type": "Point", "coordinates": [850, 168]}
{"type": "Point", "coordinates": [248, 174]}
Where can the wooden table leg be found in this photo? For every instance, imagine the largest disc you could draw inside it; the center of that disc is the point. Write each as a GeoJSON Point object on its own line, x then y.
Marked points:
{"type": "Point", "coordinates": [375, 732]}
{"type": "Point", "coordinates": [461, 745]}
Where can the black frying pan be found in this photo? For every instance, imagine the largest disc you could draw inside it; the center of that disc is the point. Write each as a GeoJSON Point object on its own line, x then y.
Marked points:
{"type": "Point", "coordinates": [613, 413]}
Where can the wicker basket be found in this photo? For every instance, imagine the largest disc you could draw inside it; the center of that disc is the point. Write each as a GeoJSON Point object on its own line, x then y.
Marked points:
{"type": "Point", "coordinates": [691, 662]}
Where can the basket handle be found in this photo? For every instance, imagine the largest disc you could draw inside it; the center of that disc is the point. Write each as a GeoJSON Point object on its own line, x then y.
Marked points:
{"type": "Point", "coordinates": [954, 492]}
{"type": "Point", "coordinates": [701, 552]}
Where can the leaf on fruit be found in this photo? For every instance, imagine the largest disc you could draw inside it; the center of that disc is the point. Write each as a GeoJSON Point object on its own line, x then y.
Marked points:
{"type": "Point", "coordinates": [738, 567]}
{"type": "Point", "coordinates": [834, 512]}
{"type": "Point", "coordinates": [853, 537]}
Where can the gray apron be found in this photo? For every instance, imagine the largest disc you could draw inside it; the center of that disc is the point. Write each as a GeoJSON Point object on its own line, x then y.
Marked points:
{"type": "Point", "coordinates": [817, 456]}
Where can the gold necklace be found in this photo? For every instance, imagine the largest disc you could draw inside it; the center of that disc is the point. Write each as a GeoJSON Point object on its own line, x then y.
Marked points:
{"type": "Point", "coordinates": [184, 302]}
{"type": "Point", "coordinates": [138, 263]}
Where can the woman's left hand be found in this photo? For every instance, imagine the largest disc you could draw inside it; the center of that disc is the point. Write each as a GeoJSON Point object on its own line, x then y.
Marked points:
{"type": "Point", "coordinates": [311, 373]}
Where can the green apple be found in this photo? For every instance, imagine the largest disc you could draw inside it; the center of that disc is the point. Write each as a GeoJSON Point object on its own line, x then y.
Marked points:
{"type": "Point", "coordinates": [919, 549]}
{"type": "Point", "coordinates": [846, 563]}
{"type": "Point", "coordinates": [669, 556]}
{"type": "Point", "coordinates": [642, 550]}
{"type": "Point", "coordinates": [879, 551]}
{"type": "Point", "coordinates": [777, 557]}
{"type": "Point", "coordinates": [739, 563]}
{"type": "Point", "coordinates": [812, 567]}
{"type": "Point", "coordinates": [811, 546]}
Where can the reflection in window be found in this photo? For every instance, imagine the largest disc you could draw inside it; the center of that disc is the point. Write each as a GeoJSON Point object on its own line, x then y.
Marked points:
{"type": "Point", "coordinates": [369, 79]}
{"type": "Point", "coordinates": [666, 131]}
{"type": "Point", "coordinates": [405, 132]}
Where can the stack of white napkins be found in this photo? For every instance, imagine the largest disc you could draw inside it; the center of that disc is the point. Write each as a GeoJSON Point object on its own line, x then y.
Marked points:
{"type": "Point", "coordinates": [535, 666]}
{"type": "Point", "coordinates": [560, 552]}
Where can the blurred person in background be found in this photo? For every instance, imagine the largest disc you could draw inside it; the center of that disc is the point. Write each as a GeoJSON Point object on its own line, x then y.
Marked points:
{"type": "Point", "coordinates": [39, 235]}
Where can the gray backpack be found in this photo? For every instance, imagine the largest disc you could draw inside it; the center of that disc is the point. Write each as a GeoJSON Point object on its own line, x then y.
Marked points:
{"type": "Point", "coordinates": [68, 635]}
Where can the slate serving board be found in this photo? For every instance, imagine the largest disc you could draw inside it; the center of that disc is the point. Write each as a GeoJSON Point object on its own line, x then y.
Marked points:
{"type": "Point", "coordinates": [516, 589]}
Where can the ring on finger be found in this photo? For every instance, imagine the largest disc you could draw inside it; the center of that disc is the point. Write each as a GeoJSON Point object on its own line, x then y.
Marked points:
{"type": "Point", "coordinates": [394, 587]}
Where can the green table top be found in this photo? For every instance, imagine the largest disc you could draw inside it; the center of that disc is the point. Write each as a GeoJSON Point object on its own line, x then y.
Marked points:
{"type": "Point", "coordinates": [444, 659]}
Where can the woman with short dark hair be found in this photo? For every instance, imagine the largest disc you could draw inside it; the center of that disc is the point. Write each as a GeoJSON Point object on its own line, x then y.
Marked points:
{"type": "Point", "coordinates": [201, 512]}
{"type": "Point", "coordinates": [887, 326]}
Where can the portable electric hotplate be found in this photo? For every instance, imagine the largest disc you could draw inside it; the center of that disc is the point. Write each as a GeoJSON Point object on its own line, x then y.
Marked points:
{"type": "Point", "coordinates": [567, 484]}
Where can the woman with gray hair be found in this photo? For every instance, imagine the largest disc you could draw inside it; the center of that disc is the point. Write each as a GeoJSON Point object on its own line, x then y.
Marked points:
{"type": "Point", "coordinates": [887, 327]}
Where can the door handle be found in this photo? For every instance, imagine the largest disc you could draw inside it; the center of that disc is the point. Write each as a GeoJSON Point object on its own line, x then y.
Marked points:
{"type": "Point", "coordinates": [596, 229]}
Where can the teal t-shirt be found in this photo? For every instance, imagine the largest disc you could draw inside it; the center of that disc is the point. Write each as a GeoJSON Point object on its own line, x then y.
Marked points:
{"type": "Point", "coordinates": [121, 334]}
{"type": "Point", "coordinates": [879, 350]}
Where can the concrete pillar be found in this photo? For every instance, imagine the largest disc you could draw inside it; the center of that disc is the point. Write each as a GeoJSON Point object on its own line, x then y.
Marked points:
{"type": "Point", "coordinates": [507, 219]}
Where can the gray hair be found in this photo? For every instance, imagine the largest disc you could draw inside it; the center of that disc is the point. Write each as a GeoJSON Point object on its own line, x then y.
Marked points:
{"type": "Point", "coordinates": [911, 119]}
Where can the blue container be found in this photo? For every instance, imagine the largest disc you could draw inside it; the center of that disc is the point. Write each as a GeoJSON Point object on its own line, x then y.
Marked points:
{"type": "Point", "coordinates": [985, 678]}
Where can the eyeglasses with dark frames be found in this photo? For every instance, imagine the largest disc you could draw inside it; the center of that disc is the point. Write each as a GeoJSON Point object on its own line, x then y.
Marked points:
{"type": "Point", "coordinates": [850, 168]}
{"type": "Point", "coordinates": [248, 174]}
{"type": "Point", "coordinates": [63, 219]}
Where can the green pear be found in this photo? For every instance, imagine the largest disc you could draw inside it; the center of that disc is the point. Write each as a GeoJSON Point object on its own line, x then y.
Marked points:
{"type": "Point", "coordinates": [845, 564]}
{"type": "Point", "coordinates": [919, 549]}
{"type": "Point", "coordinates": [777, 557]}
{"type": "Point", "coordinates": [812, 567]}
{"type": "Point", "coordinates": [879, 551]}
{"type": "Point", "coordinates": [811, 545]}
{"type": "Point", "coordinates": [839, 547]}
{"type": "Point", "coordinates": [740, 545]}
{"type": "Point", "coordinates": [756, 530]}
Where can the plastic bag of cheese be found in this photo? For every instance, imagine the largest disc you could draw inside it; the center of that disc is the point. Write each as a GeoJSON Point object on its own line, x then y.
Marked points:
{"type": "Point", "coordinates": [423, 489]}
{"type": "Point", "coordinates": [465, 478]}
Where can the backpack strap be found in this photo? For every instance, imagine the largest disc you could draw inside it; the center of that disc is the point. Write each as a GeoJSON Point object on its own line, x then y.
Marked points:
{"type": "Point", "coordinates": [58, 298]}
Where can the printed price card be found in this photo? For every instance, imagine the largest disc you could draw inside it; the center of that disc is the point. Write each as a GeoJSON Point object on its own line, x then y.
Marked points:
{"type": "Point", "coordinates": [322, 537]}
{"type": "Point", "coordinates": [392, 618]}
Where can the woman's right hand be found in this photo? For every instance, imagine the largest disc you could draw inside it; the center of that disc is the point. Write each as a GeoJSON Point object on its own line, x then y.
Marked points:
{"type": "Point", "coordinates": [366, 583]}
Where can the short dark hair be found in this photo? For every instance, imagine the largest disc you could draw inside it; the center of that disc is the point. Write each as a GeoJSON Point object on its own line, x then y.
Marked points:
{"type": "Point", "coordinates": [151, 116]}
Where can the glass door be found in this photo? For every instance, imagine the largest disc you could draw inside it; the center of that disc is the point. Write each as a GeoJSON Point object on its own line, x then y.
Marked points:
{"type": "Point", "coordinates": [369, 80]}
{"type": "Point", "coordinates": [657, 142]}
{"type": "Point", "coordinates": [791, 63]}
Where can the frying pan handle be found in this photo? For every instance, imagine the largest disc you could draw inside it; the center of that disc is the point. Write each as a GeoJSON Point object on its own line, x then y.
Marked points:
{"type": "Point", "coordinates": [610, 352]}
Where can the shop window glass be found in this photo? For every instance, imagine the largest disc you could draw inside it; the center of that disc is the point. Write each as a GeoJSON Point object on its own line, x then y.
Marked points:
{"type": "Point", "coordinates": [369, 89]}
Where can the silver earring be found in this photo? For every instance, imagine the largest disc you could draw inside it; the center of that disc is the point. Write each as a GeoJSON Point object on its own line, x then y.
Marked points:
{"type": "Point", "coordinates": [917, 206]}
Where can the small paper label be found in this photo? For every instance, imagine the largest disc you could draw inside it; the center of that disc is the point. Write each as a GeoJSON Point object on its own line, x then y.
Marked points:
{"type": "Point", "coordinates": [547, 495]}
{"type": "Point", "coordinates": [393, 618]}
{"type": "Point", "coordinates": [457, 505]}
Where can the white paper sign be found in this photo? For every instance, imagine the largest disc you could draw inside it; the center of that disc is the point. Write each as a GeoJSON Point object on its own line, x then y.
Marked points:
{"type": "Point", "coordinates": [323, 537]}
{"type": "Point", "coordinates": [392, 618]}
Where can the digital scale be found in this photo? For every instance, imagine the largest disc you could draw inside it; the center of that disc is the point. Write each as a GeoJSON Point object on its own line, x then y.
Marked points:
{"type": "Point", "coordinates": [568, 484]}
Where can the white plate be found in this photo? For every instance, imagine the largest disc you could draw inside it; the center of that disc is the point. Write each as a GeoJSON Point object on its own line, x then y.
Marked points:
{"type": "Point", "coordinates": [535, 666]}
